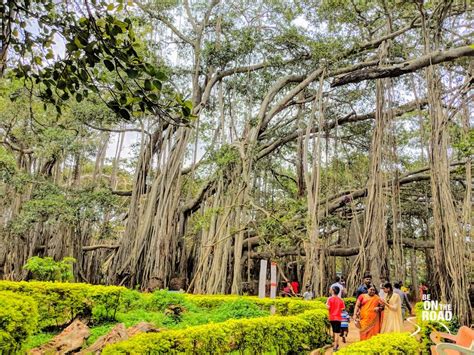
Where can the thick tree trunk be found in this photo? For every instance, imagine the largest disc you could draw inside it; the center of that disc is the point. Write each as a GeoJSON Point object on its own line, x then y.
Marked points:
{"type": "Point", "coordinates": [450, 263]}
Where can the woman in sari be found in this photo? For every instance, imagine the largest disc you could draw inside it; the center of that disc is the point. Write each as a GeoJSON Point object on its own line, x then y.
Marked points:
{"type": "Point", "coordinates": [367, 313]}
{"type": "Point", "coordinates": [392, 315]}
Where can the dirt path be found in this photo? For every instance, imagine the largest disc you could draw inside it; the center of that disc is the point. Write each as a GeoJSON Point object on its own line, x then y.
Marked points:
{"type": "Point", "coordinates": [353, 336]}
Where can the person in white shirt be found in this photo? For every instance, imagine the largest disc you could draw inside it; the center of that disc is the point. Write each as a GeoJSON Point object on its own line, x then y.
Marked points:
{"type": "Point", "coordinates": [308, 294]}
{"type": "Point", "coordinates": [339, 285]}
{"type": "Point", "coordinates": [381, 292]}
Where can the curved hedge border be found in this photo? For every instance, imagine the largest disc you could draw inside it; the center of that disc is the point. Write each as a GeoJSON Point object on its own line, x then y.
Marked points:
{"type": "Point", "coordinates": [283, 306]}
{"type": "Point", "coordinates": [389, 343]}
{"type": "Point", "coordinates": [304, 327]}
{"type": "Point", "coordinates": [59, 303]}
{"type": "Point", "coordinates": [18, 319]}
{"type": "Point", "coordinates": [275, 333]}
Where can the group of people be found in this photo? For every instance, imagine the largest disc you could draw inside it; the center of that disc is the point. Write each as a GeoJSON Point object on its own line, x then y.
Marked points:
{"type": "Point", "coordinates": [375, 312]}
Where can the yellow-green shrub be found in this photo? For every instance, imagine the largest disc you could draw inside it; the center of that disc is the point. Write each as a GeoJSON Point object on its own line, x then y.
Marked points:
{"type": "Point", "coordinates": [59, 303]}
{"type": "Point", "coordinates": [275, 333]}
{"type": "Point", "coordinates": [18, 319]}
{"type": "Point", "coordinates": [389, 343]}
{"type": "Point", "coordinates": [283, 306]}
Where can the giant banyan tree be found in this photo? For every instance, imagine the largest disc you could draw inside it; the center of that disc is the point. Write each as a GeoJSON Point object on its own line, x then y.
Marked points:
{"type": "Point", "coordinates": [328, 136]}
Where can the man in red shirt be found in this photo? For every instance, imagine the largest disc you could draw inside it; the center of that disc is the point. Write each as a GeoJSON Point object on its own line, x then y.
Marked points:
{"type": "Point", "coordinates": [335, 306]}
{"type": "Point", "coordinates": [296, 287]}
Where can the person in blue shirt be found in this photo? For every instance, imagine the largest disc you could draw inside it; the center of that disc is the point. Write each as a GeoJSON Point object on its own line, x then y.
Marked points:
{"type": "Point", "coordinates": [345, 325]}
{"type": "Point", "coordinates": [364, 288]}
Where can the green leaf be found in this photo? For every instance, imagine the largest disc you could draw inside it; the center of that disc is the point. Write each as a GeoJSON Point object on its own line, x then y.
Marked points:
{"type": "Point", "coordinates": [153, 97]}
{"type": "Point", "coordinates": [61, 84]}
{"type": "Point", "coordinates": [124, 113]}
{"type": "Point", "coordinates": [84, 21]}
{"type": "Point", "coordinates": [132, 73]}
{"type": "Point", "coordinates": [83, 75]}
{"type": "Point", "coordinates": [71, 47]}
{"type": "Point", "coordinates": [188, 104]}
{"type": "Point", "coordinates": [148, 85]}
{"type": "Point", "coordinates": [157, 84]}
{"type": "Point", "coordinates": [186, 111]}
{"type": "Point", "coordinates": [109, 65]}
{"type": "Point", "coordinates": [78, 43]}
{"type": "Point", "coordinates": [100, 22]}
{"type": "Point", "coordinates": [123, 99]}
{"type": "Point", "coordinates": [160, 75]}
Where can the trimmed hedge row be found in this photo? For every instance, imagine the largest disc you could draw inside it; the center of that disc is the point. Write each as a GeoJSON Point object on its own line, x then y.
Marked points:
{"type": "Point", "coordinates": [275, 333]}
{"type": "Point", "coordinates": [59, 303]}
{"type": "Point", "coordinates": [283, 306]}
{"type": "Point", "coordinates": [389, 343]}
{"type": "Point", "coordinates": [18, 319]}
{"type": "Point", "coordinates": [305, 326]}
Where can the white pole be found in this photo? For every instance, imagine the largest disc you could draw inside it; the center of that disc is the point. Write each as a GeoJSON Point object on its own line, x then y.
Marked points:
{"type": "Point", "coordinates": [273, 283]}
{"type": "Point", "coordinates": [273, 278]}
{"type": "Point", "coordinates": [263, 278]}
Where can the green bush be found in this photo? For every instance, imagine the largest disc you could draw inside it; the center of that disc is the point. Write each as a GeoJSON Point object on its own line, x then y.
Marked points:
{"type": "Point", "coordinates": [59, 303]}
{"type": "Point", "coordinates": [240, 308]}
{"type": "Point", "coordinates": [47, 269]}
{"type": "Point", "coordinates": [18, 319]}
{"type": "Point", "coordinates": [275, 333]}
{"type": "Point", "coordinates": [283, 306]}
{"type": "Point", "coordinates": [162, 299]}
{"type": "Point", "coordinates": [389, 343]}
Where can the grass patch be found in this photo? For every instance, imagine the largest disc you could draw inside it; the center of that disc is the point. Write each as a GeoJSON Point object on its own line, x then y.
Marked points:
{"type": "Point", "coordinates": [155, 309]}
{"type": "Point", "coordinates": [98, 331]}
{"type": "Point", "coordinates": [141, 315]}
{"type": "Point", "coordinates": [39, 339]}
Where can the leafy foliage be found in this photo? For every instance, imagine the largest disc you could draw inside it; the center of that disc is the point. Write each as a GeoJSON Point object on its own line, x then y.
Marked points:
{"type": "Point", "coordinates": [60, 303]}
{"type": "Point", "coordinates": [18, 319]}
{"type": "Point", "coordinates": [293, 333]}
{"type": "Point", "coordinates": [101, 51]}
{"type": "Point", "coordinates": [47, 269]}
{"type": "Point", "coordinates": [392, 343]}
{"type": "Point", "coordinates": [7, 165]}
{"type": "Point", "coordinates": [53, 204]}
{"type": "Point", "coordinates": [240, 308]}
{"type": "Point", "coordinates": [162, 299]}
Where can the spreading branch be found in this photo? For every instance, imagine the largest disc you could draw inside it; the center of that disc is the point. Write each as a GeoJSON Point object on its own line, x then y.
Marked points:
{"type": "Point", "coordinates": [95, 247]}
{"type": "Point", "coordinates": [406, 67]}
{"type": "Point", "coordinates": [351, 118]}
{"type": "Point", "coordinates": [342, 251]}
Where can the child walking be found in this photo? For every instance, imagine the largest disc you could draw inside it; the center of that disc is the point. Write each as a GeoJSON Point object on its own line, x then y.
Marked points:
{"type": "Point", "coordinates": [345, 325]}
{"type": "Point", "coordinates": [335, 306]}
